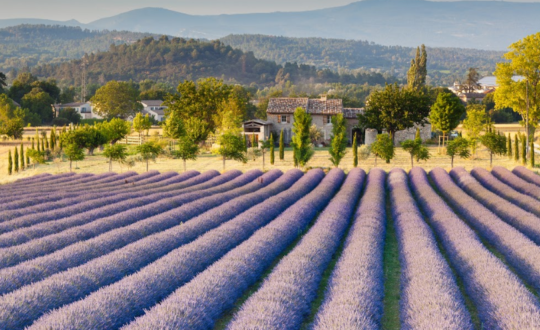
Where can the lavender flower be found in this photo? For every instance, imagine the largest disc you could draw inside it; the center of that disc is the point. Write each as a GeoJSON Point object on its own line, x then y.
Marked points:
{"type": "Point", "coordinates": [353, 299]}
{"type": "Point", "coordinates": [516, 182]}
{"type": "Point", "coordinates": [502, 301]}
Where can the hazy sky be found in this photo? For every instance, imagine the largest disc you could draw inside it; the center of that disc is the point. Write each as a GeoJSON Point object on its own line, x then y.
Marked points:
{"type": "Point", "coordinates": [89, 10]}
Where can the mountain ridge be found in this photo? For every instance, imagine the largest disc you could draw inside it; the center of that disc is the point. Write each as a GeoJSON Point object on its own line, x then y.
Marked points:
{"type": "Point", "coordinates": [490, 25]}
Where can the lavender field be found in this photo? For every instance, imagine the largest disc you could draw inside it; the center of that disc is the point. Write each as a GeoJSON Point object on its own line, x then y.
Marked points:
{"type": "Point", "coordinates": [273, 250]}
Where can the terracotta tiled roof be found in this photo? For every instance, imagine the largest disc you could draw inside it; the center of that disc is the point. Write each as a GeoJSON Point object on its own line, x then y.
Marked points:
{"type": "Point", "coordinates": [286, 104]}
{"type": "Point", "coordinates": [313, 106]}
{"type": "Point", "coordinates": [352, 113]}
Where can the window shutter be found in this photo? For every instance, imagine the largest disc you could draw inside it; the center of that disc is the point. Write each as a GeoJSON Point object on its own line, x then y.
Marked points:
{"type": "Point", "coordinates": [324, 120]}
{"type": "Point", "coordinates": [278, 118]}
{"type": "Point", "coordinates": [288, 119]}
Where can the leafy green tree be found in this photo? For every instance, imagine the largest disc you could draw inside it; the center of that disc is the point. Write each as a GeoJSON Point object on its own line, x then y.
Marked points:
{"type": "Point", "coordinates": [196, 129]}
{"type": "Point", "coordinates": [446, 113]}
{"type": "Point", "coordinates": [495, 143]}
{"type": "Point", "coordinates": [3, 83]}
{"type": "Point", "coordinates": [10, 163]}
{"type": "Point", "coordinates": [272, 147]}
{"type": "Point", "coordinates": [116, 99]}
{"type": "Point", "coordinates": [21, 86]}
{"type": "Point", "coordinates": [281, 146]}
{"type": "Point", "coordinates": [523, 60]}
{"type": "Point", "coordinates": [395, 109]}
{"type": "Point", "coordinates": [115, 152]}
{"type": "Point", "coordinates": [383, 147]}
{"type": "Point", "coordinates": [458, 147]}
{"type": "Point", "coordinates": [115, 130]}
{"type": "Point", "coordinates": [73, 153]}
{"type": "Point", "coordinates": [231, 146]}
{"type": "Point", "coordinates": [173, 126]}
{"type": "Point", "coordinates": [355, 151]}
{"type": "Point", "coordinates": [149, 151]}
{"type": "Point", "coordinates": [141, 123]}
{"type": "Point", "coordinates": [230, 115]}
{"type": "Point", "coordinates": [186, 150]}
{"type": "Point", "coordinates": [36, 157]}
{"type": "Point", "coordinates": [202, 100]}
{"type": "Point", "coordinates": [315, 134]}
{"type": "Point", "coordinates": [474, 124]}
{"type": "Point", "coordinates": [301, 143]}
{"type": "Point", "coordinates": [16, 160]}
{"type": "Point", "coordinates": [92, 137]}
{"type": "Point", "coordinates": [71, 115]}
{"type": "Point", "coordinates": [416, 149]}
{"type": "Point", "coordinates": [11, 118]}
{"type": "Point", "coordinates": [338, 141]}
{"type": "Point", "coordinates": [39, 103]}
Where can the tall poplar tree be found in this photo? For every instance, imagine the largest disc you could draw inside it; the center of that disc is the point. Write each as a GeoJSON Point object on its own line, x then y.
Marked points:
{"type": "Point", "coordinates": [516, 145]}
{"type": "Point", "coordinates": [338, 141]}
{"type": "Point", "coordinates": [281, 146]}
{"type": "Point", "coordinates": [16, 160]}
{"type": "Point", "coordinates": [301, 142]}
{"type": "Point", "coordinates": [272, 156]}
{"type": "Point", "coordinates": [532, 154]}
{"type": "Point", "coordinates": [355, 151]}
{"type": "Point", "coordinates": [10, 163]}
{"type": "Point", "coordinates": [510, 146]}
{"type": "Point", "coordinates": [22, 157]}
{"type": "Point", "coordinates": [417, 74]}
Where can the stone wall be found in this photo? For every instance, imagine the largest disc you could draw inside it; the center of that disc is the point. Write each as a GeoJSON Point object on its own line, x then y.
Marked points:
{"type": "Point", "coordinates": [409, 134]}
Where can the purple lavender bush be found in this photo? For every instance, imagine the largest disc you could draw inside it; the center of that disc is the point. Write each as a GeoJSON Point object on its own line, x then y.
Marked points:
{"type": "Point", "coordinates": [516, 182]}
{"type": "Point", "coordinates": [129, 297]}
{"type": "Point", "coordinates": [199, 303]}
{"type": "Point", "coordinates": [286, 295]}
{"type": "Point", "coordinates": [99, 224]}
{"type": "Point", "coordinates": [430, 297]}
{"type": "Point", "coordinates": [354, 296]}
{"type": "Point", "coordinates": [501, 299]}
{"type": "Point", "coordinates": [527, 175]}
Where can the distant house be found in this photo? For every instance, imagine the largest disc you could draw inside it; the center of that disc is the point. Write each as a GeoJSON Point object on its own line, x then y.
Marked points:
{"type": "Point", "coordinates": [261, 129]}
{"type": "Point", "coordinates": [280, 117]}
{"type": "Point", "coordinates": [83, 108]}
{"type": "Point", "coordinates": [280, 114]}
{"type": "Point", "coordinates": [154, 108]}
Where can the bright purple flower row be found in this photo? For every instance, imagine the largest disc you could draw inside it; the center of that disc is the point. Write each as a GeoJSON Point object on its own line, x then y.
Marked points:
{"type": "Point", "coordinates": [87, 201]}
{"type": "Point", "coordinates": [286, 295]}
{"type": "Point", "coordinates": [199, 303]}
{"type": "Point", "coordinates": [527, 175]}
{"type": "Point", "coordinates": [516, 182]}
{"type": "Point", "coordinates": [99, 224]}
{"type": "Point", "coordinates": [501, 299]}
{"type": "Point", "coordinates": [522, 253]}
{"type": "Point", "coordinates": [123, 301]}
{"type": "Point", "coordinates": [28, 272]}
{"type": "Point", "coordinates": [354, 296]}
{"type": "Point", "coordinates": [32, 226]}
{"type": "Point", "coordinates": [34, 178]}
{"type": "Point", "coordinates": [73, 284]}
{"type": "Point", "coordinates": [430, 297]}
{"type": "Point", "coordinates": [100, 185]}
{"type": "Point", "coordinates": [508, 193]}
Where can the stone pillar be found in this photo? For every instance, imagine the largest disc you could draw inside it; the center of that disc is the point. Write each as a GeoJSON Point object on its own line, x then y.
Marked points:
{"type": "Point", "coordinates": [371, 136]}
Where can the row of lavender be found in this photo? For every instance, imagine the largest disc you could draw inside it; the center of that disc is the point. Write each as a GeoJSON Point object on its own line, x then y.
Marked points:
{"type": "Point", "coordinates": [354, 295]}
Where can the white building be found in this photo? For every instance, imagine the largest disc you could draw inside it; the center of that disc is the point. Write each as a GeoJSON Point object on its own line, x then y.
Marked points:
{"type": "Point", "coordinates": [154, 108]}
{"type": "Point", "coordinates": [83, 108]}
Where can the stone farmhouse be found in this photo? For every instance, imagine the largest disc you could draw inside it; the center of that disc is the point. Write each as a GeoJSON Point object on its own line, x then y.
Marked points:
{"type": "Point", "coordinates": [280, 116]}
{"type": "Point", "coordinates": [154, 108]}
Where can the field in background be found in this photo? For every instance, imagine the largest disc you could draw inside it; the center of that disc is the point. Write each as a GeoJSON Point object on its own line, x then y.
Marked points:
{"type": "Point", "coordinates": [99, 164]}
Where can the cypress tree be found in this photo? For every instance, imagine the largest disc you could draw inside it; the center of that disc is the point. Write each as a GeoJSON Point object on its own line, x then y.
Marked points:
{"type": "Point", "coordinates": [281, 147]}
{"type": "Point", "coordinates": [33, 144]}
{"type": "Point", "coordinates": [53, 139]}
{"type": "Point", "coordinates": [516, 148]}
{"type": "Point", "coordinates": [38, 145]}
{"type": "Point", "coordinates": [510, 156]}
{"type": "Point", "coordinates": [417, 135]}
{"type": "Point", "coordinates": [272, 149]}
{"type": "Point", "coordinates": [16, 160]}
{"type": "Point", "coordinates": [47, 142]}
{"type": "Point", "coordinates": [523, 151]}
{"type": "Point", "coordinates": [42, 145]}
{"type": "Point", "coordinates": [22, 157]}
{"type": "Point", "coordinates": [532, 154]}
{"type": "Point", "coordinates": [27, 159]}
{"type": "Point", "coordinates": [10, 163]}
{"type": "Point", "coordinates": [355, 151]}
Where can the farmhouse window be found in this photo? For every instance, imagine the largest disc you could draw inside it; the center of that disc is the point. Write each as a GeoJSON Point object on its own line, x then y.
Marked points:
{"type": "Point", "coordinates": [284, 119]}
{"type": "Point", "coordinates": [328, 119]}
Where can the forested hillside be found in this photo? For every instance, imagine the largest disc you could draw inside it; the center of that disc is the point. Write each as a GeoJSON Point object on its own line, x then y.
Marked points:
{"type": "Point", "coordinates": [444, 65]}
{"type": "Point", "coordinates": [30, 45]}
{"type": "Point", "coordinates": [175, 60]}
